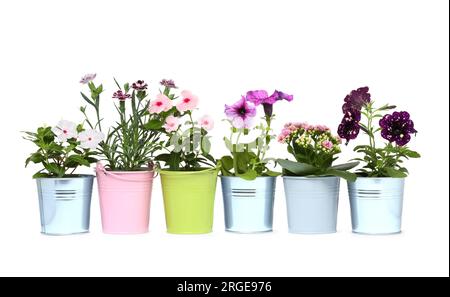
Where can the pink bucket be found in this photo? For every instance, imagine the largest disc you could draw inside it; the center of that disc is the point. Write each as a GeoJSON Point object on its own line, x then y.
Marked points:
{"type": "Point", "coordinates": [124, 200]}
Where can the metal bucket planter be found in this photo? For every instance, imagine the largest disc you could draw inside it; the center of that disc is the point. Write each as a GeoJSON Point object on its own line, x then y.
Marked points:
{"type": "Point", "coordinates": [376, 205]}
{"type": "Point", "coordinates": [125, 200]}
{"type": "Point", "coordinates": [312, 204]}
{"type": "Point", "coordinates": [189, 200]}
{"type": "Point", "coordinates": [65, 204]}
{"type": "Point", "coordinates": [248, 204]}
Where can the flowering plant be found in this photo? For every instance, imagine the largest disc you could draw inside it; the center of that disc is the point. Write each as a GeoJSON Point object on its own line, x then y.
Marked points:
{"type": "Point", "coordinates": [130, 145]}
{"type": "Point", "coordinates": [396, 128]}
{"type": "Point", "coordinates": [63, 148]}
{"type": "Point", "coordinates": [248, 160]}
{"type": "Point", "coordinates": [314, 149]}
{"type": "Point", "coordinates": [188, 147]}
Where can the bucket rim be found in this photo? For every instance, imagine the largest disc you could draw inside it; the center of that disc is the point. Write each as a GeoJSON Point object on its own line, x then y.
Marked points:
{"type": "Point", "coordinates": [311, 177]}
{"type": "Point", "coordinates": [199, 172]}
{"type": "Point", "coordinates": [238, 177]}
{"type": "Point", "coordinates": [377, 178]}
{"type": "Point", "coordinates": [130, 172]}
{"type": "Point", "coordinates": [78, 176]}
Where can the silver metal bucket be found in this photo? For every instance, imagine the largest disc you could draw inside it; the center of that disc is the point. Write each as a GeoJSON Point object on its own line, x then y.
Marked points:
{"type": "Point", "coordinates": [248, 205]}
{"type": "Point", "coordinates": [376, 204]}
{"type": "Point", "coordinates": [65, 204]}
{"type": "Point", "coordinates": [312, 204]}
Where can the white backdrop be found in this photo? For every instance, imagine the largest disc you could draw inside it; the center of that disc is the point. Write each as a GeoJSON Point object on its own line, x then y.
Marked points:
{"type": "Point", "coordinates": [317, 50]}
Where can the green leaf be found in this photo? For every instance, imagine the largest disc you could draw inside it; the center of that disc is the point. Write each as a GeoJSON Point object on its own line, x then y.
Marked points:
{"type": "Point", "coordinates": [412, 154]}
{"type": "Point", "coordinates": [40, 175]}
{"type": "Point", "coordinates": [228, 144]}
{"type": "Point", "coordinates": [227, 163]}
{"type": "Point", "coordinates": [54, 169]}
{"type": "Point", "coordinates": [87, 99]}
{"type": "Point", "coordinates": [392, 172]}
{"type": "Point", "coordinates": [76, 160]}
{"type": "Point", "coordinates": [297, 168]}
{"type": "Point", "coordinates": [35, 158]}
{"type": "Point", "coordinates": [206, 146]}
{"type": "Point", "coordinates": [271, 173]}
{"type": "Point", "coordinates": [153, 125]}
{"type": "Point", "coordinates": [346, 166]}
{"type": "Point", "coordinates": [248, 175]}
{"type": "Point", "coordinates": [340, 173]}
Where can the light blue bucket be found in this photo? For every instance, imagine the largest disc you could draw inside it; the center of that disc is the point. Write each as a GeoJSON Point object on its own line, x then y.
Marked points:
{"type": "Point", "coordinates": [248, 205]}
{"type": "Point", "coordinates": [376, 205]}
{"type": "Point", "coordinates": [312, 204]}
{"type": "Point", "coordinates": [65, 204]}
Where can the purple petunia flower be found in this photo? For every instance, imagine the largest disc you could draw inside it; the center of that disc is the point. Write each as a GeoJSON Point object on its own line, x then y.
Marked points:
{"type": "Point", "coordinates": [168, 83]}
{"type": "Point", "coordinates": [397, 127]}
{"type": "Point", "coordinates": [140, 85]}
{"type": "Point", "coordinates": [87, 78]}
{"type": "Point", "coordinates": [356, 99]}
{"type": "Point", "coordinates": [262, 97]}
{"type": "Point", "coordinates": [349, 127]}
{"type": "Point", "coordinates": [241, 113]}
{"type": "Point", "coordinates": [121, 95]}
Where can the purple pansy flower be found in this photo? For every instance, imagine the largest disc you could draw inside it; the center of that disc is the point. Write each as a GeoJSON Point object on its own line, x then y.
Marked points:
{"type": "Point", "coordinates": [87, 78]}
{"type": "Point", "coordinates": [356, 99]}
{"type": "Point", "coordinates": [397, 127]}
{"type": "Point", "coordinates": [121, 95]}
{"type": "Point", "coordinates": [168, 83]}
{"type": "Point", "coordinates": [140, 85]}
{"type": "Point", "coordinates": [349, 127]}
{"type": "Point", "coordinates": [241, 113]}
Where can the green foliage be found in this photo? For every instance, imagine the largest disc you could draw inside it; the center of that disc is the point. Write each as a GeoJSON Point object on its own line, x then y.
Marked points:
{"type": "Point", "coordinates": [247, 160]}
{"type": "Point", "coordinates": [381, 162]}
{"type": "Point", "coordinates": [57, 160]}
{"type": "Point", "coordinates": [384, 162]}
{"type": "Point", "coordinates": [291, 168]}
{"type": "Point", "coordinates": [132, 142]}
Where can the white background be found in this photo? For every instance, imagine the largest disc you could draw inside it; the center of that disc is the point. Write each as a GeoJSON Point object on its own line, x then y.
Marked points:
{"type": "Point", "coordinates": [316, 50]}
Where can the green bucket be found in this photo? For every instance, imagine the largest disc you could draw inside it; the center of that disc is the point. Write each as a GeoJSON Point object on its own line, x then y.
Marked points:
{"type": "Point", "coordinates": [189, 200]}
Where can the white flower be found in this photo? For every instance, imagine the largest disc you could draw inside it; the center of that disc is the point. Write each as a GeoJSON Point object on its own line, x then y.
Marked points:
{"type": "Point", "coordinates": [65, 130]}
{"type": "Point", "coordinates": [89, 139]}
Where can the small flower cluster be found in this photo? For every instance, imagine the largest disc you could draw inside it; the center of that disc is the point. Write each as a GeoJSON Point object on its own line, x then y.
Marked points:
{"type": "Point", "coordinates": [89, 139]}
{"type": "Point", "coordinates": [316, 137]}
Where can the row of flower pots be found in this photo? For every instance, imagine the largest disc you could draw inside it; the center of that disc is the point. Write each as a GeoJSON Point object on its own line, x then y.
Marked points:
{"type": "Point", "coordinates": [312, 203]}
{"type": "Point", "coordinates": [161, 136]}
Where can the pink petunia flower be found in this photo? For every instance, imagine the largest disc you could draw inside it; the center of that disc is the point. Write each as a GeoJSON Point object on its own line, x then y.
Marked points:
{"type": "Point", "coordinates": [207, 122]}
{"type": "Point", "coordinates": [160, 104]}
{"type": "Point", "coordinates": [171, 124]}
{"type": "Point", "coordinates": [188, 101]}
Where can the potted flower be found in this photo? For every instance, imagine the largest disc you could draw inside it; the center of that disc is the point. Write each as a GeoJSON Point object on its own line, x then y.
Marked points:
{"type": "Point", "coordinates": [248, 185]}
{"type": "Point", "coordinates": [126, 176]}
{"type": "Point", "coordinates": [189, 175]}
{"type": "Point", "coordinates": [376, 197]}
{"type": "Point", "coordinates": [311, 182]}
{"type": "Point", "coordinates": [64, 196]}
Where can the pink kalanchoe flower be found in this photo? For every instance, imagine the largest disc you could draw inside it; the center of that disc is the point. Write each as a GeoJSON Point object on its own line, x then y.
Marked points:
{"type": "Point", "coordinates": [327, 144]}
{"type": "Point", "coordinates": [171, 124]}
{"type": "Point", "coordinates": [121, 95]}
{"type": "Point", "coordinates": [160, 104]}
{"type": "Point", "coordinates": [87, 78]}
{"type": "Point", "coordinates": [207, 122]}
{"type": "Point", "coordinates": [322, 128]}
{"type": "Point", "coordinates": [188, 101]}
